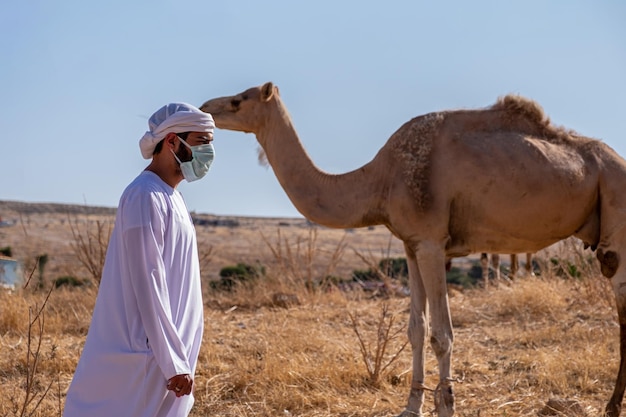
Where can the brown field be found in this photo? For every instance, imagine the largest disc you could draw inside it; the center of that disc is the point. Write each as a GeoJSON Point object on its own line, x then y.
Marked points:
{"type": "Point", "coordinates": [517, 346]}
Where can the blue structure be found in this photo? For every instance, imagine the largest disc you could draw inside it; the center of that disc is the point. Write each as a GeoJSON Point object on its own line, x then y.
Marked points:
{"type": "Point", "coordinates": [10, 273]}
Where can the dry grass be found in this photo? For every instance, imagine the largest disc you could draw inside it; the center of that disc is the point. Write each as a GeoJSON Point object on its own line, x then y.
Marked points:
{"type": "Point", "coordinates": [515, 348]}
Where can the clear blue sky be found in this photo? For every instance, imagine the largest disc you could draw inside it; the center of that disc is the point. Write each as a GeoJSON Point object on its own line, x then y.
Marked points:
{"type": "Point", "coordinates": [78, 80]}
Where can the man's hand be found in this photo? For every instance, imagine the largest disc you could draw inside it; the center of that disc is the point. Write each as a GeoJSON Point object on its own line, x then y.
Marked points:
{"type": "Point", "coordinates": [180, 384]}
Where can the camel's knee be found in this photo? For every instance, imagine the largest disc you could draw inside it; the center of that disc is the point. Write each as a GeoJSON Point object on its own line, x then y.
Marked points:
{"type": "Point", "coordinates": [441, 344]}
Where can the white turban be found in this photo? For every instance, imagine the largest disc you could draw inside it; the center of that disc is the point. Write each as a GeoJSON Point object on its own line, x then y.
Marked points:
{"type": "Point", "coordinates": [175, 118]}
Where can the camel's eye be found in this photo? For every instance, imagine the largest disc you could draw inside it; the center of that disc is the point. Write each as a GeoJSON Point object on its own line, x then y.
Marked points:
{"type": "Point", "coordinates": [244, 97]}
{"type": "Point", "coordinates": [235, 103]}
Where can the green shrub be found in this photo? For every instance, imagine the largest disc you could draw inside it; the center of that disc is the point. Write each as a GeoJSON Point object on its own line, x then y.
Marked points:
{"type": "Point", "coordinates": [397, 268]}
{"type": "Point", "coordinates": [394, 267]}
{"type": "Point", "coordinates": [564, 268]}
{"type": "Point", "coordinates": [456, 276]}
{"type": "Point", "coordinates": [230, 276]}
{"type": "Point", "coordinates": [365, 275]}
{"type": "Point", "coordinates": [42, 261]}
{"type": "Point", "coordinates": [6, 251]}
{"type": "Point", "coordinates": [69, 281]}
{"type": "Point", "coordinates": [475, 272]}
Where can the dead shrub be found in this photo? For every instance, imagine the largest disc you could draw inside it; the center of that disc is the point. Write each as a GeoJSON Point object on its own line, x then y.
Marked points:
{"type": "Point", "coordinates": [90, 244]}
{"type": "Point", "coordinates": [297, 265]}
{"type": "Point", "coordinates": [375, 354]}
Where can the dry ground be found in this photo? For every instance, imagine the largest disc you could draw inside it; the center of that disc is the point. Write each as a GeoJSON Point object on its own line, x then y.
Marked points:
{"type": "Point", "coordinates": [517, 346]}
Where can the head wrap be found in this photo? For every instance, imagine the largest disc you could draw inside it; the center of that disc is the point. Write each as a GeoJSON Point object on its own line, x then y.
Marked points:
{"type": "Point", "coordinates": [176, 118]}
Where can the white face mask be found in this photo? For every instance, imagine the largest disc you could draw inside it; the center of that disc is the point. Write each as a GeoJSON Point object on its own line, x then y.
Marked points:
{"type": "Point", "coordinates": [201, 159]}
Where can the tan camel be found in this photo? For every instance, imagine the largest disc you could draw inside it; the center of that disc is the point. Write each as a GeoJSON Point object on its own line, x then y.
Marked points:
{"type": "Point", "coordinates": [528, 266]}
{"type": "Point", "coordinates": [438, 185]}
{"type": "Point", "coordinates": [495, 266]}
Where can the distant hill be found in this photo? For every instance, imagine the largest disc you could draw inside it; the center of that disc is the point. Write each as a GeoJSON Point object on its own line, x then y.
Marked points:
{"type": "Point", "coordinates": [17, 207]}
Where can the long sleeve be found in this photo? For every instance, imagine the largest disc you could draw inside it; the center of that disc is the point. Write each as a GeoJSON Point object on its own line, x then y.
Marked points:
{"type": "Point", "coordinates": [146, 271]}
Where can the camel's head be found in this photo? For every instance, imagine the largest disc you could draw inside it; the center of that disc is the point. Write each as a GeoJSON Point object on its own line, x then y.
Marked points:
{"type": "Point", "coordinates": [244, 112]}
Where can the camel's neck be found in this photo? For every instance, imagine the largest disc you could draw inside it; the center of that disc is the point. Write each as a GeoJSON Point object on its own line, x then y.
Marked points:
{"type": "Point", "coordinates": [342, 201]}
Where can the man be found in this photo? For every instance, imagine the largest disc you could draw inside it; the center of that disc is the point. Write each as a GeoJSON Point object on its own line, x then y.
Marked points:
{"type": "Point", "coordinates": [142, 347]}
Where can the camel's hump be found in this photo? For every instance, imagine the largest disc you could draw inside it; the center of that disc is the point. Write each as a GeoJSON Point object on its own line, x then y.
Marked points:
{"type": "Point", "coordinates": [527, 116]}
{"type": "Point", "coordinates": [522, 107]}
{"type": "Point", "coordinates": [518, 106]}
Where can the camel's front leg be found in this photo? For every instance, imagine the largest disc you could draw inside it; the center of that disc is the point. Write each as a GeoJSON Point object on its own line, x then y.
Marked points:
{"type": "Point", "coordinates": [418, 326]}
{"type": "Point", "coordinates": [431, 261]}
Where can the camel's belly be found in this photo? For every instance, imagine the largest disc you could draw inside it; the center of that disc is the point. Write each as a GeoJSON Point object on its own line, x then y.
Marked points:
{"type": "Point", "coordinates": [515, 221]}
{"type": "Point", "coordinates": [517, 195]}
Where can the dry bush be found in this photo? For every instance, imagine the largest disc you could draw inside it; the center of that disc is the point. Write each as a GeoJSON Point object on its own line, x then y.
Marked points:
{"type": "Point", "coordinates": [389, 285]}
{"type": "Point", "coordinates": [205, 255]}
{"type": "Point", "coordinates": [570, 260]}
{"type": "Point", "coordinates": [28, 399]}
{"type": "Point", "coordinates": [90, 244]}
{"type": "Point", "coordinates": [376, 355]}
{"type": "Point", "coordinates": [300, 263]}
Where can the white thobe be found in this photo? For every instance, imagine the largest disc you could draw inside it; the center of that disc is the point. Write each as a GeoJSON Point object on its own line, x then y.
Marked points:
{"type": "Point", "coordinates": [148, 319]}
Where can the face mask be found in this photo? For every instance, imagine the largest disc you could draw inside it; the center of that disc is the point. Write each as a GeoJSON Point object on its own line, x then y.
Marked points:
{"type": "Point", "coordinates": [201, 159]}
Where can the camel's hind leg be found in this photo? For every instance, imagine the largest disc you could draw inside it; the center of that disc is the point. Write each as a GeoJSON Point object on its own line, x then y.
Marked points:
{"type": "Point", "coordinates": [484, 264]}
{"type": "Point", "coordinates": [616, 271]}
{"type": "Point", "coordinates": [515, 265]}
{"type": "Point", "coordinates": [495, 264]}
{"type": "Point", "coordinates": [529, 265]}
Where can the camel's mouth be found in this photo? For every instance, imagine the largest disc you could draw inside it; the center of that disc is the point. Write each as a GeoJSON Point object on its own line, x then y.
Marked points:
{"type": "Point", "coordinates": [208, 107]}
{"type": "Point", "coordinates": [216, 106]}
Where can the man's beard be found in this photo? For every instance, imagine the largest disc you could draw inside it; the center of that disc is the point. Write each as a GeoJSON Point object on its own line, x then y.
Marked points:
{"type": "Point", "coordinates": [183, 154]}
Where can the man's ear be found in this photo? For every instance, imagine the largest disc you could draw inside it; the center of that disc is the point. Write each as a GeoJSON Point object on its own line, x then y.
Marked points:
{"type": "Point", "coordinates": [171, 139]}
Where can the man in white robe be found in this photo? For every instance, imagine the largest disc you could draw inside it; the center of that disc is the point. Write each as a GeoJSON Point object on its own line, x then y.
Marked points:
{"type": "Point", "coordinates": [142, 347]}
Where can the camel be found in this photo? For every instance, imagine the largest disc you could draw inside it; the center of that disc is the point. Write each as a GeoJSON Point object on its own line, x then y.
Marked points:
{"type": "Point", "coordinates": [528, 266]}
{"type": "Point", "coordinates": [501, 179]}
{"type": "Point", "coordinates": [495, 265]}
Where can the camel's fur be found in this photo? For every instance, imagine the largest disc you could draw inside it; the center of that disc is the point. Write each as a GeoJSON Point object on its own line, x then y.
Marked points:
{"type": "Point", "coordinates": [500, 180]}
{"type": "Point", "coordinates": [511, 113]}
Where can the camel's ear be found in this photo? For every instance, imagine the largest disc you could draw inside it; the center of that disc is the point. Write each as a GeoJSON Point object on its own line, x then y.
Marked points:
{"type": "Point", "coordinates": [267, 91]}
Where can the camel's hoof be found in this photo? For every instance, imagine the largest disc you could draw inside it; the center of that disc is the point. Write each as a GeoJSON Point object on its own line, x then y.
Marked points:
{"type": "Point", "coordinates": [444, 400]}
{"type": "Point", "coordinates": [613, 410]}
{"type": "Point", "coordinates": [407, 413]}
